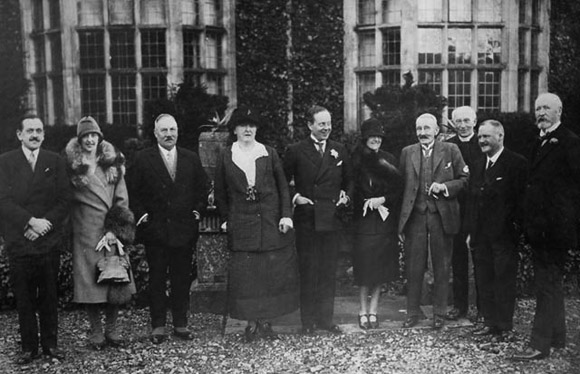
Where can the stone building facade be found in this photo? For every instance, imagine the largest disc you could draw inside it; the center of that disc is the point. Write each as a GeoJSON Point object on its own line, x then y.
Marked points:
{"type": "Point", "coordinates": [490, 54]}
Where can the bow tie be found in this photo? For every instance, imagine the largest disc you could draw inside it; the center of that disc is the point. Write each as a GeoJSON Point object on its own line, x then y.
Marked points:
{"type": "Point", "coordinates": [546, 136]}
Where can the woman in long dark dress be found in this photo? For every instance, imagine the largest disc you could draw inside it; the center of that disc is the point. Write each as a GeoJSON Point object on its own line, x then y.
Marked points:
{"type": "Point", "coordinates": [378, 187]}
{"type": "Point", "coordinates": [254, 202]}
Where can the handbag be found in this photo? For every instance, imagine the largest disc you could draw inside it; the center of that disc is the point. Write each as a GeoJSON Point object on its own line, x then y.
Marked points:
{"type": "Point", "coordinates": [115, 271]}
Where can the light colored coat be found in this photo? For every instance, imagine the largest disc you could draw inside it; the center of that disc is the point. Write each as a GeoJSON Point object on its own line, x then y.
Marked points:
{"type": "Point", "coordinates": [93, 196]}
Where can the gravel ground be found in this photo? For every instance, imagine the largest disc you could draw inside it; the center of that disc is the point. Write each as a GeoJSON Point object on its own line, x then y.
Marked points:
{"type": "Point", "coordinates": [397, 351]}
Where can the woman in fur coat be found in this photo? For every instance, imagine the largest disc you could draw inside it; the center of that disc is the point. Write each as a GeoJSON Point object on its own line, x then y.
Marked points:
{"type": "Point", "coordinates": [378, 187]}
{"type": "Point", "coordinates": [100, 209]}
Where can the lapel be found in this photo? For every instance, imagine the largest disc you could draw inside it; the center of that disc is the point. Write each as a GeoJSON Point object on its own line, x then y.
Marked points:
{"type": "Point", "coordinates": [24, 171]}
{"type": "Point", "coordinates": [327, 159]}
{"type": "Point", "coordinates": [238, 173]}
{"type": "Point", "coordinates": [311, 153]}
{"type": "Point", "coordinates": [416, 158]}
{"type": "Point", "coordinates": [438, 153]}
{"type": "Point", "coordinates": [157, 163]}
{"type": "Point", "coordinates": [180, 164]}
{"type": "Point", "coordinates": [496, 169]}
{"type": "Point", "coordinates": [98, 186]}
{"type": "Point", "coordinates": [540, 152]}
{"type": "Point", "coordinates": [261, 164]}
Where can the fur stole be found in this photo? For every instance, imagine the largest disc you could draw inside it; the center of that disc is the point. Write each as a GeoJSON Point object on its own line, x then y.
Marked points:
{"type": "Point", "coordinates": [121, 222]}
{"type": "Point", "coordinates": [108, 158]}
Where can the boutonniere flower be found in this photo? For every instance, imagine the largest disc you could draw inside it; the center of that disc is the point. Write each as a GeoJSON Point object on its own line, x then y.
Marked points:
{"type": "Point", "coordinates": [553, 141]}
{"type": "Point", "coordinates": [334, 153]}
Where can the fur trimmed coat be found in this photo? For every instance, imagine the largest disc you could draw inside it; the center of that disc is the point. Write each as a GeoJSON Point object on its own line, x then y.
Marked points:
{"type": "Point", "coordinates": [100, 204]}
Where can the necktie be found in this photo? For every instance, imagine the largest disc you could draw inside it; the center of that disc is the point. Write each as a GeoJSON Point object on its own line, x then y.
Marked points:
{"type": "Point", "coordinates": [32, 160]}
{"type": "Point", "coordinates": [427, 152]}
{"type": "Point", "coordinates": [320, 147]}
{"type": "Point", "coordinates": [489, 164]}
{"type": "Point", "coordinates": [544, 138]}
{"type": "Point", "coordinates": [171, 165]}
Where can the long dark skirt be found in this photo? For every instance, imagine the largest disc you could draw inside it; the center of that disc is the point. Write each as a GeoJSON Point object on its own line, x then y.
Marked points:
{"type": "Point", "coordinates": [263, 284]}
{"type": "Point", "coordinates": [375, 259]}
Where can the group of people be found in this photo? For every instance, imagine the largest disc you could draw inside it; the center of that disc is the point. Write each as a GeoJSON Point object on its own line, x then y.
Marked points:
{"type": "Point", "coordinates": [284, 217]}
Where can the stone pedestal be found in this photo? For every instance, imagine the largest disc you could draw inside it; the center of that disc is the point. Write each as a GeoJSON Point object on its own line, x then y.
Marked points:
{"type": "Point", "coordinates": [208, 290]}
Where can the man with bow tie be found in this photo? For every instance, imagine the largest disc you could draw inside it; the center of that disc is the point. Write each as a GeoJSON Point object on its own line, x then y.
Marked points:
{"type": "Point", "coordinates": [551, 212]}
{"type": "Point", "coordinates": [34, 200]}
{"type": "Point", "coordinates": [323, 183]}
{"type": "Point", "coordinates": [493, 221]}
{"type": "Point", "coordinates": [434, 174]}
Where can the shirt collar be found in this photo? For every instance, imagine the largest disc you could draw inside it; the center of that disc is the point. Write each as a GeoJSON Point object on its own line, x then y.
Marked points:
{"type": "Point", "coordinates": [466, 139]}
{"type": "Point", "coordinates": [428, 146]}
{"type": "Point", "coordinates": [27, 152]}
{"type": "Point", "coordinates": [316, 141]}
{"type": "Point", "coordinates": [165, 152]}
{"type": "Point", "coordinates": [551, 129]}
{"type": "Point", "coordinates": [496, 156]}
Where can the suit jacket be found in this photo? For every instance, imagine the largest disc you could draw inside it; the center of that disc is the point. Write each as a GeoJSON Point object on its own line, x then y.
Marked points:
{"type": "Point", "coordinates": [494, 205]}
{"type": "Point", "coordinates": [253, 224]}
{"type": "Point", "coordinates": [45, 193]}
{"type": "Point", "coordinates": [170, 204]}
{"type": "Point", "coordinates": [448, 168]}
{"type": "Point", "coordinates": [320, 180]}
{"type": "Point", "coordinates": [552, 196]}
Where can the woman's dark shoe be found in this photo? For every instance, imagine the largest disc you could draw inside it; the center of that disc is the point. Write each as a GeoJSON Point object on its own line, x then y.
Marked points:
{"type": "Point", "coordinates": [25, 358]}
{"type": "Point", "coordinates": [183, 333]}
{"type": "Point", "coordinates": [438, 322]}
{"type": "Point", "coordinates": [265, 331]}
{"type": "Point", "coordinates": [250, 334]}
{"type": "Point", "coordinates": [411, 321]}
{"type": "Point", "coordinates": [363, 321]}
{"type": "Point", "coordinates": [373, 321]}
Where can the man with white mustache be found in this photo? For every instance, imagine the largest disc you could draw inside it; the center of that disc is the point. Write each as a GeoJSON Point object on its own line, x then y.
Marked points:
{"type": "Point", "coordinates": [551, 208]}
{"type": "Point", "coordinates": [434, 174]}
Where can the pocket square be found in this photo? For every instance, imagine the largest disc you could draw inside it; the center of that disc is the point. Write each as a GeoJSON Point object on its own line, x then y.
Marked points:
{"type": "Point", "coordinates": [339, 163]}
{"type": "Point", "coordinates": [448, 165]}
{"type": "Point", "coordinates": [498, 178]}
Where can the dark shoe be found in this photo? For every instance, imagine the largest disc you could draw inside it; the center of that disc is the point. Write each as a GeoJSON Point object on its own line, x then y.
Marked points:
{"type": "Point", "coordinates": [25, 358]}
{"type": "Point", "coordinates": [265, 331]}
{"type": "Point", "coordinates": [54, 353]}
{"type": "Point", "coordinates": [97, 340]}
{"type": "Point", "coordinates": [373, 321]}
{"type": "Point", "coordinates": [486, 330]}
{"type": "Point", "coordinates": [411, 321]}
{"type": "Point", "coordinates": [363, 321]}
{"type": "Point", "coordinates": [307, 329]}
{"type": "Point", "coordinates": [455, 314]}
{"type": "Point", "coordinates": [114, 340]}
{"type": "Point", "coordinates": [438, 322]}
{"type": "Point", "coordinates": [158, 335]}
{"type": "Point", "coordinates": [528, 355]}
{"type": "Point", "coordinates": [333, 329]}
{"type": "Point", "coordinates": [183, 333]}
{"type": "Point", "coordinates": [250, 334]}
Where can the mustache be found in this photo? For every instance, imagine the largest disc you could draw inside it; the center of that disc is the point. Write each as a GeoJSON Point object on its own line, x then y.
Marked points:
{"type": "Point", "coordinates": [423, 137]}
{"type": "Point", "coordinates": [34, 138]}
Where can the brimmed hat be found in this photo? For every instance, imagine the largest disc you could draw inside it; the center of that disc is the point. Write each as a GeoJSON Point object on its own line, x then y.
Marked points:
{"type": "Point", "coordinates": [244, 115]}
{"type": "Point", "coordinates": [371, 127]}
{"type": "Point", "coordinates": [87, 125]}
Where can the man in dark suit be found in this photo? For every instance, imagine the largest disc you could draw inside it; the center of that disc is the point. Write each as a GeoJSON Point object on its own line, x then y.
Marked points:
{"type": "Point", "coordinates": [434, 174]}
{"type": "Point", "coordinates": [323, 180]}
{"type": "Point", "coordinates": [493, 221]}
{"type": "Point", "coordinates": [464, 119]}
{"type": "Point", "coordinates": [168, 189]}
{"type": "Point", "coordinates": [34, 201]}
{"type": "Point", "coordinates": [551, 210]}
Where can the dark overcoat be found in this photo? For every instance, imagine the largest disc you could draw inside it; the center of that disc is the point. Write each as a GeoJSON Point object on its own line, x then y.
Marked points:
{"type": "Point", "coordinates": [320, 180]}
{"type": "Point", "coordinates": [253, 224]}
{"type": "Point", "coordinates": [170, 204]}
{"type": "Point", "coordinates": [25, 194]}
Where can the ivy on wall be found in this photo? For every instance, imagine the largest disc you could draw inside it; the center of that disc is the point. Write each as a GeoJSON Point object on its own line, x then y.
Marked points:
{"type": "Point", "coordinates": [279, 85]}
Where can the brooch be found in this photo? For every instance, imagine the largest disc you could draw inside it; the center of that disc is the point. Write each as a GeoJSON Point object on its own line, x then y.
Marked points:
{"type": "Point", "coordinates": [251, 193]}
